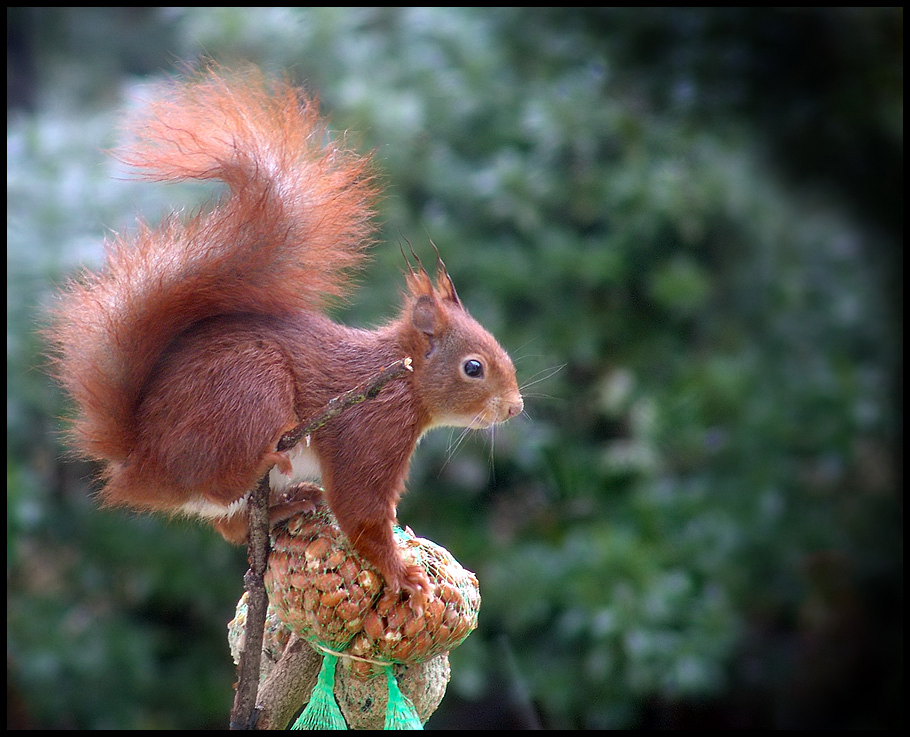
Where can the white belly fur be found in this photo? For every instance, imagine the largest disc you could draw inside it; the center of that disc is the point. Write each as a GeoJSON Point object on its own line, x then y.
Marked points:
{"type": "Point", "coordinates": [305, 468]}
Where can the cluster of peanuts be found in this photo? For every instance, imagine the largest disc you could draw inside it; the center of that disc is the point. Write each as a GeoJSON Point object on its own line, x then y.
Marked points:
{"type": "Point", "coordinates": [327, 594]}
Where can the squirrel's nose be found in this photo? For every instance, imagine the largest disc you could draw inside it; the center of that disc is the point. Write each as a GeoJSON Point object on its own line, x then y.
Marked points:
{"type": "Point", "coordinates": [515, 407]}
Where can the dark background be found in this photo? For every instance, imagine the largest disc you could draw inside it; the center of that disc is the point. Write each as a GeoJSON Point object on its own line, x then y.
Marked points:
{"type": "Point", "coordinates": [685, 225]}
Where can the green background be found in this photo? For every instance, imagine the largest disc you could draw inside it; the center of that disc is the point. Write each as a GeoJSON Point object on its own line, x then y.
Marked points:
{"type": "Point", "coordinates": [684, 224]}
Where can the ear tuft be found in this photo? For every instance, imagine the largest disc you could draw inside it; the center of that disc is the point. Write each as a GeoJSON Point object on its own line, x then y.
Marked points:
{"type": "Point", "coordinates": [419, 283]}
{"type": "Point", "coordinates": [445, 287]}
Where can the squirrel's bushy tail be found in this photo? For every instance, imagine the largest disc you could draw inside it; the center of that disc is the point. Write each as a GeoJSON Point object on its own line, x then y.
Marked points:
{"type": "Point", "coordinates": [296, 219]}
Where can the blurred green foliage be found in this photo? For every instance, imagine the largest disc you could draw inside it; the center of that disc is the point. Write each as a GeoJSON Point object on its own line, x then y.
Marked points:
{"type": "Point", "coordinates": [684, 224]}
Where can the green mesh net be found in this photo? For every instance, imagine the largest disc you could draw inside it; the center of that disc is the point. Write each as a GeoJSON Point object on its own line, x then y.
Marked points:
{"type": "Point", "coordinates": [323, 591]}
{"type": "Point", "coordinates": [322, 710]}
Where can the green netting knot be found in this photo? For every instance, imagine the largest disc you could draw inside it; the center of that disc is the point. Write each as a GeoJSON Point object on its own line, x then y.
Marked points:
{"type": "Point", "coordinates": [400, 712]}
{"type": "Point", "coordinates": [322, 711]}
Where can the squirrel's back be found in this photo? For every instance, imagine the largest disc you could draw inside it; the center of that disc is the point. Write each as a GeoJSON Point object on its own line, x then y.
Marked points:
{"type": "Point", "coordinates": [295, 221]}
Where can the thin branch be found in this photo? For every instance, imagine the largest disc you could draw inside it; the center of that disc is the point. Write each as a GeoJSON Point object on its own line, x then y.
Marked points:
{"type": "Point", "coordinates": [243, 714]}
{"type": "Point", "coordinates": [335, 406]}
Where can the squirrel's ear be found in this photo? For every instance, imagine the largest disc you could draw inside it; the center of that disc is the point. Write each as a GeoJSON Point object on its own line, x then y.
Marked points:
{"type": "Point", "coordinates": [425, 315]}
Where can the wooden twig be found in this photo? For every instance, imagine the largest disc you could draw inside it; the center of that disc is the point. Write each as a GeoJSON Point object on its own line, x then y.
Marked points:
{"type": "Point", "coordinates": [243, 713]}
{"type": "Point", "coordinates": [335, 406]}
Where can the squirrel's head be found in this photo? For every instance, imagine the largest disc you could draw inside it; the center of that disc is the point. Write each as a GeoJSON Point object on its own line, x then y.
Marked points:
{"type": "Point", "coordinates": [462, 374]}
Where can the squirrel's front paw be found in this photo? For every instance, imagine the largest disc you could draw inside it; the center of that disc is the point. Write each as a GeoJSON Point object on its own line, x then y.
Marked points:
{"type": "Point", "coordinates": [303, 498]}
{"type": "Point", "coordinates": [301, 495]}
{"type": "Point", "coordinates": [418, 586]}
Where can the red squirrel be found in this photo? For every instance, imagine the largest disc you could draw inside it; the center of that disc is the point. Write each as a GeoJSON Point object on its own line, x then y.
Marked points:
{"type": "Point", "coordinates": [203, 340]}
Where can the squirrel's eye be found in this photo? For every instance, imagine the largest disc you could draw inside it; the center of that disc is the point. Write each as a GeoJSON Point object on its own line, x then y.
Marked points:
{"type": "Point", "coordinates": [473, 368]}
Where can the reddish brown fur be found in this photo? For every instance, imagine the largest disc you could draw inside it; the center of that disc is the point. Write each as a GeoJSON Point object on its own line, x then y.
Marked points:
{"type": "Point", "coordinates": [201, 342]}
